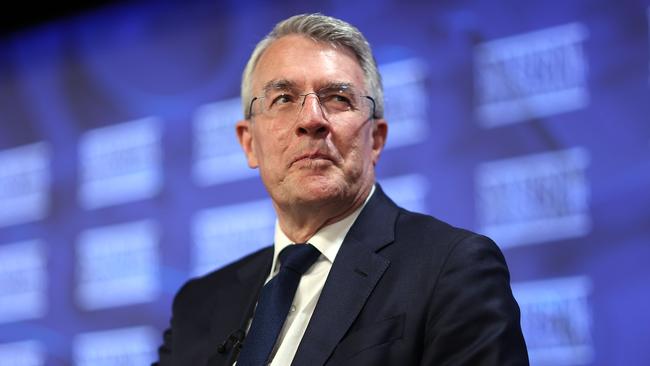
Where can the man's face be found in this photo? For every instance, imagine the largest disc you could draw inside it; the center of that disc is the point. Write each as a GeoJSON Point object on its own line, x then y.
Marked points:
{"type": "Point", "coordinates": [310, 157]}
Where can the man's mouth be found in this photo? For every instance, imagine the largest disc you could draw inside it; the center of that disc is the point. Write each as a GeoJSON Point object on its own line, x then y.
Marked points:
{"type": "Point", "coordinates": [312, 157]}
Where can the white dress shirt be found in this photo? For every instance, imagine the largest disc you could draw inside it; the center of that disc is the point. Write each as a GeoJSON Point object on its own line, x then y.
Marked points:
{"type": "Point", "coordinates": [328, 241]}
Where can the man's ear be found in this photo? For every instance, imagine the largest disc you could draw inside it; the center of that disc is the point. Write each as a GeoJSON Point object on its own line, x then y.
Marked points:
{"type": "Point", "coordinates": [379, 134]}
{"type": "Point", "coordinates": [245, 137]}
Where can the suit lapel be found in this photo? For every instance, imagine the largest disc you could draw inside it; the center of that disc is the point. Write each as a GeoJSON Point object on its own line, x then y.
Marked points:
{"type": "Point", "coordinates": [252, 277]}
{"type": "Point", "coordinates": [354, 274]}
{"type": "Point", "coordinates": [242, 294]}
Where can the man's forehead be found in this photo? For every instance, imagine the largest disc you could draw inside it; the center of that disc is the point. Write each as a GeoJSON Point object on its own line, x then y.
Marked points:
{"type": "Point", "coordinates": [295, 61]}
{"type": "Point", "coordinates": [302, 42]}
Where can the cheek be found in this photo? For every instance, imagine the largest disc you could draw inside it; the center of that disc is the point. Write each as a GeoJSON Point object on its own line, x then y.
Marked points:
{"type": "Point", "coordinates": [270, 148]}
{"type": "Point", "coordinates": [356, 149]}
{"type": "Point", "coordinates": [361, 140]}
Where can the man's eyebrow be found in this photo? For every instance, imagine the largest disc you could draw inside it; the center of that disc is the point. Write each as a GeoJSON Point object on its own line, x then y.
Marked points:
{"type": "Point", "coordinates": [288, 85]}
{"type": "Point", "coordinates": [336, 85]}
{"type": "Point", "coordinates": [281, 84]}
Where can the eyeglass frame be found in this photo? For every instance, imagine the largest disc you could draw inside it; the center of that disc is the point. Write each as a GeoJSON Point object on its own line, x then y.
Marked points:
{"type": "Point", "coordinates": [372, 115]}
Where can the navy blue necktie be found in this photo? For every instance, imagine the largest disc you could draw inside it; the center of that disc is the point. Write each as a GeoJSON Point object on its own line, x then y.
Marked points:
{"type": "Point", "coordinates": [274, 303]}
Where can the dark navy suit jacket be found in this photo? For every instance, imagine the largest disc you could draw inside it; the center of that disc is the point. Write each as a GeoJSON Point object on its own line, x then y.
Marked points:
{"type": "Point", "coordinates": [405, 289]}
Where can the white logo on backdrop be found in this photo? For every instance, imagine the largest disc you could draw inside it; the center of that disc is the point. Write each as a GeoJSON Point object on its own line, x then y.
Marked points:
{"type": "Point", "coordinates": [23, 281]}
{"type": "Point", "coordinates": [217, 156]}
{"type": "Point", "coordinates": [556, 320]}
{"type": "Point", "coordinates": [226, 233]}
{"type": "Point", "coordinates": [534, 198]}
{"type": "Point", "coordinates": [24, 183]}
{"type": "Point", "coordinates": [124, 346]}
{"type": "Point", "coordinates": [24, 353]}
{"type": "Point", "coordinates": [532, 75]}
{"type": "Point", "coordinates": [406, 101]}
{"type": "Point", "coordinates": [120, 163]}
{"type": "Point", "coordinates": [118, 265]}
{"type": "Point", "coordinates": [408, 191]}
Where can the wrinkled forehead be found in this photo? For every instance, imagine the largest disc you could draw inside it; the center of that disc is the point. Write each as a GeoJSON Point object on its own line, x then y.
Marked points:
{"type": "Point", "coordinates": [307, 65]}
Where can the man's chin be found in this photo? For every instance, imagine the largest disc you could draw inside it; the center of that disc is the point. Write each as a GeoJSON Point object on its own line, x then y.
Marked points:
{"type": "Point", "coordinates": [316, 189]}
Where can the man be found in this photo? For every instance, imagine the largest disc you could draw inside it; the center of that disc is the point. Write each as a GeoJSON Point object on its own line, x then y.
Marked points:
{"type": "Point", "coordinates": [385, 286]}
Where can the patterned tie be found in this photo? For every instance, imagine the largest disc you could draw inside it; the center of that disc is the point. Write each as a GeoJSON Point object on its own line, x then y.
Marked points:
{"type": "Point", "coordinates": [274, 303]}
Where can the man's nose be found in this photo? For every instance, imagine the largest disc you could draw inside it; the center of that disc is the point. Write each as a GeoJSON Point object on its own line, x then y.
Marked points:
{"type": "Point", "coordinates": [312, 120]}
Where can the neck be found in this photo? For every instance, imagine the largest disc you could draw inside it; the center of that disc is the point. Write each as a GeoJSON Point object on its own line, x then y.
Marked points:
{"type": "Point", "coordinates": [301, 222]}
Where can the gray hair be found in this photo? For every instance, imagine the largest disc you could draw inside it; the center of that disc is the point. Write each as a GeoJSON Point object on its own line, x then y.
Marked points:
{"type": "Point", "coordinates": [325, 29]}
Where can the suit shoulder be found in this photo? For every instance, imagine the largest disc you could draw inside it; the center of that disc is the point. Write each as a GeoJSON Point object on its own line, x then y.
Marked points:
{"type": "Point", "coordinates": [428, 226]}
{"type": "Point", "coordinates": [420, 227]}
{"type": "Point", "coordinates": [197, 288]}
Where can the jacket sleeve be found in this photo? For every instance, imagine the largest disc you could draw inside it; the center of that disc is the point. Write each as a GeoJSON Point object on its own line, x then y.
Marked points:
{"type": "Point", "coordinates": [165, 350]}
{"type": "Point", "coordinates": [473, 318]}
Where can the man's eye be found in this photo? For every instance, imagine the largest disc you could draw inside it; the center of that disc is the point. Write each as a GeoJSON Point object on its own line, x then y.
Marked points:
{"type": "Point", "coordinates": [341, 98]}
{"type": "Point", "coordinates": [338, 101]}
{"type": "Point", "coordinates": [282, 99]}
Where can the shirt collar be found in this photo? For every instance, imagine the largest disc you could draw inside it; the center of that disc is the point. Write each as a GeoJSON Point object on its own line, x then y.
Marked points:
{"type": "Point", "coordinates": [327, 240]}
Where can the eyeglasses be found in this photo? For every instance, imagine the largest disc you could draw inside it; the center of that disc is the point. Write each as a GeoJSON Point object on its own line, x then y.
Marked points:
{"type": "Point", "coordinates": [337, 104]}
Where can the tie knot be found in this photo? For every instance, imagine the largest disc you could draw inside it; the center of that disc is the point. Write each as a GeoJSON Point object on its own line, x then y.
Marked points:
{"type": "Point", "coordinates": [298, 257]}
